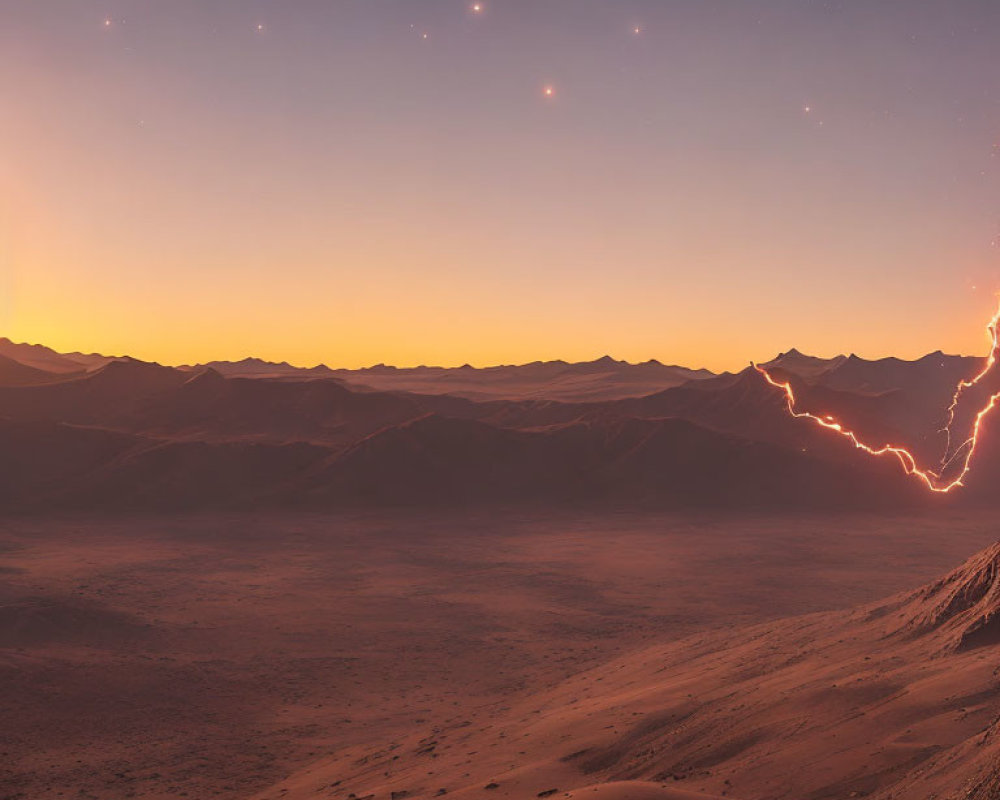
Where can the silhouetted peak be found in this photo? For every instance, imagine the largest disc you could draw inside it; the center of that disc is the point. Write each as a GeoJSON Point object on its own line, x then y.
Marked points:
{"type": "Point", "coordinates": [750, 377]}
{"type": "Point", "coordinates": [5, 341]}
{"type": "Point", "coordinates": [129, 365]}
{"type": "Point", "coordinates": [136, 375]}
{"type": "Point", "coordinates": [206, 377]}
{"type": "Point", "coordinates": [252, 361]}
{"type": "Point", "coordinates": [796, 361]}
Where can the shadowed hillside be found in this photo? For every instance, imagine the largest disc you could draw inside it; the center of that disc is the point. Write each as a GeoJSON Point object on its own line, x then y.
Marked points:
{"type": "Point", "coordinates": [123, 433]}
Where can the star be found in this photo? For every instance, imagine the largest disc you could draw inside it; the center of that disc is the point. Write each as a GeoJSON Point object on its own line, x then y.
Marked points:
{"type": "Point", "coordinates": [107, 23]}
{"type": "Point", "coordinates": [260, 27]}
{"type": "Point", "coordinates": [549, 91]}
{"type": "Point", "coordinates": [477, 8]}
{"type": "Point", "coordinates": [636, 30]}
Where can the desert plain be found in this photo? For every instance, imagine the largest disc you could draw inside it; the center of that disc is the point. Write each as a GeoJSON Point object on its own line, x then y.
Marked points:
{"type": "Point", "coordinates": [405, 654]}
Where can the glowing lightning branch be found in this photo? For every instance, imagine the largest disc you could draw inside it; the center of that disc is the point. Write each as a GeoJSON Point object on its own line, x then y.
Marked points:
{"type": "Point", "coordinates": [991, 329]}
{"type": "Point", "coordinates": [932, 479]}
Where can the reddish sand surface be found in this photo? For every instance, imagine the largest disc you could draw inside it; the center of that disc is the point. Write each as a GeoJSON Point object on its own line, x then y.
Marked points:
{"type": "Point", "coordinates": [396, 655]}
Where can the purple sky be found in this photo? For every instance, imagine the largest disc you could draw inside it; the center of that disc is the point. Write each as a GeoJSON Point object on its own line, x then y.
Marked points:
{"type": "Point", "coordinates": [355, 182]}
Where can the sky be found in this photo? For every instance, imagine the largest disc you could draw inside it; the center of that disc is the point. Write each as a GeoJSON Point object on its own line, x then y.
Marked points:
{"type": "Point", "coordinates": [438, 182]}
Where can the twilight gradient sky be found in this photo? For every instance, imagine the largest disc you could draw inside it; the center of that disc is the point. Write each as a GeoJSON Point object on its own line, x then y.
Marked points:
{"type": "Point", "coordinates": [320, 181]}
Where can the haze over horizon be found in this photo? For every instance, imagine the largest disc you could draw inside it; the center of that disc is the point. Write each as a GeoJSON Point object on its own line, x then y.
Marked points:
{"type": "Point", "coordinates": [595, 358]}
{"type": "Point", "coordinates": [356, 183]}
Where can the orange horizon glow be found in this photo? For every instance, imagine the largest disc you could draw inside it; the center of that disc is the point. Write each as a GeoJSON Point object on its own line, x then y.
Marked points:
{"type": "Point", "coordinates": [190, 182]}
{"type": "Point", "coordinates": [932, 479]}
{"type": "Point", "coordinates": [191, 350]}
{"type": "Point", "coordinates": [194, 350]}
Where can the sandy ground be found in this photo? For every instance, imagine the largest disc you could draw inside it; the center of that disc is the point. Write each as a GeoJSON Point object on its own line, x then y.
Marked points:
{"type": "Point", "coordinates": [214, 656]}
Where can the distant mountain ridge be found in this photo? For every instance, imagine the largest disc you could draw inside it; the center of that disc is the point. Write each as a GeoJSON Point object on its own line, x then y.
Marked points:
{"type": "Point", "coordinates": [604, 378]}
{"type": "Point", "coordinates": [252, 433]}
{"type": "Point", "coordinates": [14, 373]}
{"type": "Point", "coordinates": [48, 360]}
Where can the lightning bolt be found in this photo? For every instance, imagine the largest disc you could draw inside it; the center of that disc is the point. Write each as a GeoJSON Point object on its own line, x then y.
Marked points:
{"type": "Point", "coordinates": [962, 454]}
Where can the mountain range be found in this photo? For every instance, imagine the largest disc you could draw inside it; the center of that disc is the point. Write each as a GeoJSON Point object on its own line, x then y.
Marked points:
{"type": "Point", "coordinates": [92, 431]}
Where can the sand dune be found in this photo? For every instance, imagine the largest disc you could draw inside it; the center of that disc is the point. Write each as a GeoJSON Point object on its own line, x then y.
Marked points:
{"type": "Point", "coordinates": [896, 699]}
{"type": "Point", "coordinates": [221, 655]}
{"type": "Point", "coordinates": [635, 790]}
